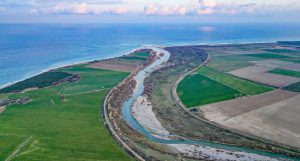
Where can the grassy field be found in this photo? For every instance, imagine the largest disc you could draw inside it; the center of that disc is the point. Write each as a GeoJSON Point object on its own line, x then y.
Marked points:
{"type": "Point", "coordinates": [230, 63]}
{"type": "Point", "coordinates": [294, 60]}
{"type": "Point", "coordinates": [41, 80]}
{"type": "Point", "coordinates": [196, 90]}
{"type": "Point", "coordinates": [293, 87]}
{"type": "Point", "coordinates": [281, 51]}
{"type": "Point", "coordinates": [142, 54]}
{"type": "Point", "coordinates": [91, 79]}
{"type": "Point", "coordinates": [56, 128]}
{"type": "Point", "coordinates": [133, 58]}
{"type": "Point", "coordinates": [208, 85]}
{"type": "Point", "coordinates": [244, 86]}
{"type": "Point", "coordinates": [3, 96]}
{"type": "Point", "coordinates": [285, 72]}
{"type": "Point", "coordinates": [269, 56]}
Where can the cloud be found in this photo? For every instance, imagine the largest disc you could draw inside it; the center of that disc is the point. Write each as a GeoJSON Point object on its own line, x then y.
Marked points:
{"type": "Point", "coordinates": [79, 8]}
{"type": "Point", "coordinates": [207, 3]}
{"type": "Point", "coordinates": [197, 7]}
{"type": "Point", "coordinates": [118, 11]}
{"type": "Point", "coordinates": [207, 11]}
{"type": "Point", "coordinates": [164, 10]}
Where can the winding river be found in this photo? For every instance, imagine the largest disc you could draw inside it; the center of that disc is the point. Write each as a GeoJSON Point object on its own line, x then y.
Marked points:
{"type": "Point", "coordinates": [138, 91]}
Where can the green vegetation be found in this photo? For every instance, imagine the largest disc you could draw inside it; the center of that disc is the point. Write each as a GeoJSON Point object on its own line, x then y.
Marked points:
{"type": "Point", "coordinates": [133, 58]}
{"type": "Point", "coordinates": [91, 79]}
{"type": "Point", "coordinates": [232, 62]}
{"type": "Point", "coordinates": [3, 96]}
{"type": "Point", "coordinates": [281, 51]}
{"type": "Point", "coordinates": [268, 56]}
{"type": "Point", "coordinates": [293, 87]}
{"type": "Point", "coordinates": [244, 86]}
{"type": "Point", "coordinates": [39, 81]}
{"type": "Point", "coordinates": [285, 72]}
{"type": "Point", "coordinates": [66, 127]}
{"type": "Point", "coordinates": [210, 86]}
{"type": "Point", "coordinates": [197, 90]}
{"type": "Point", "coordinates": [142, 54]}
{"type": "Point", "coordinates": [294, 60]}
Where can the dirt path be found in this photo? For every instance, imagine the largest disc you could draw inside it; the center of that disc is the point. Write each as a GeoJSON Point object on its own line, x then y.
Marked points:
{"type": "Point", "coordinates": [19, 148]}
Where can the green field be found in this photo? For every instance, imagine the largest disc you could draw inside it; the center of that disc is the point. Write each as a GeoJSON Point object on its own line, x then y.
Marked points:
{"type": "Point", "coordinates": [208, 85]}
{"type": "Point", "coordinates": [294, 60]}
{"type": "Point", "coordinates": [196, 90]}
{"type": "Point", "coordinates": [39, 81]}
{"type": "Point", "coordinates": [293, 87]}
{"type": "Point", "coordinates": [91, 79]}
{"type": "Point", "coordinates": [142, 54]}
{"type": "Point", "coordinates": [56, 128]}
{"type": "Point", "coordinates": [133, 58]}
{"type": "Point", "coordinates": [268, 56]}
{"type": "Point", "coordinates": [232, 62]}
{"type": "Point", "coordinates": [281, 51]}
{"type": "Point", "coordinates": [285, 72]}
{"type": "Point", "coordinates": [244, 86]}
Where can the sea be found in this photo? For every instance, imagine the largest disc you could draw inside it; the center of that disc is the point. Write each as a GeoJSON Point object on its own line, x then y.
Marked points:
{"type": "Point", "coordinates": [30, 49]}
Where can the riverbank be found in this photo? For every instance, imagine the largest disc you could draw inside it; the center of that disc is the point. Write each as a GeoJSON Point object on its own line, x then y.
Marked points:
{"type": "Point", "coordinates": [157, 91]}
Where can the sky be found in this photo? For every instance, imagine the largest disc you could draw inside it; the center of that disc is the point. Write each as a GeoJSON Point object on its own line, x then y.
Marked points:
{"type": "Point", "coordinates": [143, 11]}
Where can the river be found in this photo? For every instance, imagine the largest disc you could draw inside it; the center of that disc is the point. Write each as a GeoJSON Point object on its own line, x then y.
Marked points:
{"type": "Point", "coordinates": [138, 91]}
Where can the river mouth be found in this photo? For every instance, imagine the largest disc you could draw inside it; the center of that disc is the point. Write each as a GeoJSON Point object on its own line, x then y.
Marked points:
{"type": "Point", "coordinates": [138, 91]}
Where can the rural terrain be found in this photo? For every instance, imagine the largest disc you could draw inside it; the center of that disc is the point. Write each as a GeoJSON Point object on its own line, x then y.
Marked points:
{"type": "Point", "coordinates": [204, 102]}
{"type": "Point", "coordinates": [61, 119]}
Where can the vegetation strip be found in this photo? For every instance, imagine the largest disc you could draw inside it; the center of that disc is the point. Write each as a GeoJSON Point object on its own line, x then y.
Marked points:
{"type": "Point", "coordinates": [268, 56]}
{"type": "Point", "coordinates": [244, 86]}
{"type": "Point", "coordinates": [285, 72]}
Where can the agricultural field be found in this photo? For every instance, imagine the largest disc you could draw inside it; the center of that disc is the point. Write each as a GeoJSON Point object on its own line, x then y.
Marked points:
{"type": "Point", "coordinates": [196, 90]}
{"type": "Point", "coordinates": [260, 74]}
{"type": "Point", "coordinates": [133, 58]}
{"type": "Point", "coordinates": [293, 67]}
{"type": "Point", "coordinates": [55, 126]}
{"type": "Point", "coordinates": [91, 79]}
{"type": "Point", "coordinates": [273, 115]}
{"type": "Point", "coordinates": [294, 60]}
{"type": "Point", "coordinates": [285, 72]}
{"type": "Point", "coordinates": [293, 87]}
{"type": "Point", "coordinates": [214, 86]}
{"type": "Point", "coordinates": [116, 65]}
{"type": "Point", "coordinates": [176, 119]}
{"type": "Point", "coordinates": [281, 51]}
{"type": "Point", "coordinates": [142, 54]}
{"type": "Point", "coordinates": [268, 56]}
{"type": "Point", "coordinates": [226, 64]}
{"type": "Point", "coordinates": [244, 86]}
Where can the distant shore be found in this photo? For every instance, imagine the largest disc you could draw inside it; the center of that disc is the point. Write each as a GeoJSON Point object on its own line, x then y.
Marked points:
{"type": "Point", "coordinates": [62, 64]}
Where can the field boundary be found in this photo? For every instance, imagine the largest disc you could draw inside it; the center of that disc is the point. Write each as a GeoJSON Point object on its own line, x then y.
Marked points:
{"type": "Point", "coordinates": [222, 83]}
{"type": "Point", "coordinates": [174, 96]}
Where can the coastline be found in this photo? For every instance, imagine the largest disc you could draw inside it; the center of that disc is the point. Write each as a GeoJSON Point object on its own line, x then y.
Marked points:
{"type": "Point", "coordinates": [62, 64]}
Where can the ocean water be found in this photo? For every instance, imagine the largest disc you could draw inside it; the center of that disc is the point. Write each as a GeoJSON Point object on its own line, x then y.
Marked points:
{"type": "Point", "coordinates": [29, 49]}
